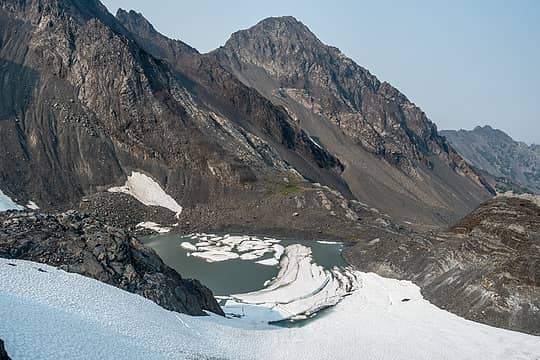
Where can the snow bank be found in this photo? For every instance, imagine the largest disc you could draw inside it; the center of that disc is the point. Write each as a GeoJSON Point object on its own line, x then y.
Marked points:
{"type": "Point", "coordinates": [154, 227]}
{"type": "Point", "coordinates": [147, 191]}
{"type": "Point", "coordinates": [56, 315]}
{"type": "Point", "coordinates": [32, 205]}
{"type": "Point", "coordinates": [7, 204]}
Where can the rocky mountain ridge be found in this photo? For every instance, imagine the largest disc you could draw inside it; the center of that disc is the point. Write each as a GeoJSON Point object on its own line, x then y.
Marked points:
{"type": "Point", "coordinates": [484, 268]}
{"type": "Point", "coordinates": [83, 105]}
{"type": "Point", "coordinates": [351, 113]}
{"type": "Point", "coordinates": [512, 165]}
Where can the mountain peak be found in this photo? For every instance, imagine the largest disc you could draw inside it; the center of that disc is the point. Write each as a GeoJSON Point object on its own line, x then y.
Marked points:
{"type": "Point", "coordinates": [276, 30]}
{"type": "Point", "coordinates": [132, 16]}
{"type": "Point", "coordinates": [279, 21]}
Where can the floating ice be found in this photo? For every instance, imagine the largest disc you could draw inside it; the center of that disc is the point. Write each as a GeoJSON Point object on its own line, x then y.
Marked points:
{"type": "Point", "coordinates": [215, 255]}
{"type": "Point", "coordinates": [301, 287]}
{"type": "Point", "coordinates": [278, 251]}
{"type": "Point", "coordinates": [214, 248]}
{"type": "Point", "coordinates": [188, 246]}
{"type": "Point", "coordinates": [268, 262]}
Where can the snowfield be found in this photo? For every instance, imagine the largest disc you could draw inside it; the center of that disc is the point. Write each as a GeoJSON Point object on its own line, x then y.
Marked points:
{"type": "Point", "coordinates": [51, 314]}
{"type": "Point", "coordinates": [7, 204]}
{"type": "Point", "coordinates": [147, 191]}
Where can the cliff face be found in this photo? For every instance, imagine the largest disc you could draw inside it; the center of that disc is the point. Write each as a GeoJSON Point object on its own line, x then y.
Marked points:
{"type": "Point", "coordinates": [326, 92]}
{"type": "Point", "coordinates": [484, 268]}
{"type": "Point", "coordinates": [512, 165]}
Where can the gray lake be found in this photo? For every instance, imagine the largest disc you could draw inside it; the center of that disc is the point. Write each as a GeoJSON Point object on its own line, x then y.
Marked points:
{"type": "Point", "coordinates": [233, 276]}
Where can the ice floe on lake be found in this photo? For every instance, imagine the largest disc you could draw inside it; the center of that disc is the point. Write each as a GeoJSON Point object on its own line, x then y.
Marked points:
{"type": "Point", "coordinates": [148, 192]}
{"type": "Point", "coordinates": [300, 289]}
{"type": "Point", "coordinates": [214, 248]}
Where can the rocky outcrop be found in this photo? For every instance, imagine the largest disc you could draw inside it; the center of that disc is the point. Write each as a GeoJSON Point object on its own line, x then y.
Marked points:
{"type": "Point", "coordinates": [79, 244]}
{"type": "Point", "coordinates": [3, 353]}
{"type": "Point", "coordinates": [363, 121]}
{"type": "Point", "coordinates": [510, 164]}
{"type": "Point", "coordinates": [484, 268]}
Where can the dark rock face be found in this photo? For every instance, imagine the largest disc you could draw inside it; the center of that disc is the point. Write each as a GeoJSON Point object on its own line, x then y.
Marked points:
{"type": "Point", "coordinates": [3, 353]}
{"type": "Point", "coordinates": [512, 165]}
{"type": "Point", "coordinates": [484, 268]}
{"type": "Point", "coordinates": [77, 243]}
{"type": "Point", "coordinates": [84, 105]}
{"type": "Point", "coordinates": [219, 89]}
{"type": "Point", "coordinates": [355, 116]}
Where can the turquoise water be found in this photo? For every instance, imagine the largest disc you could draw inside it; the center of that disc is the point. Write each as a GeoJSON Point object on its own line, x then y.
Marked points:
{"type": "Point", "coordinates": [233, 276]}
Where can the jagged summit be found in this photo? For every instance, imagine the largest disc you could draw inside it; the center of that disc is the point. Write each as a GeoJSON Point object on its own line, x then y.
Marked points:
{"type": "Point", "coordinates": [134, 16]}
{"type": "Point", "coordinates": [287, 26]}
{"type": "Point", "coordinates": [64, 10]}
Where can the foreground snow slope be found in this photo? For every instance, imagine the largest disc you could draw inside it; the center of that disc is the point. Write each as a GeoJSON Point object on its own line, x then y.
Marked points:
{"type": "Point", "coordinates": [57, 315]}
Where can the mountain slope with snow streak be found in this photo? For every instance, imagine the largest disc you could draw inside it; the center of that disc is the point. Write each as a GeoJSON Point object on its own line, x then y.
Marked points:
{"type": "Point", "coordinates": [148, 192]}
{"type": "Point", "coordinates": [42, 319]}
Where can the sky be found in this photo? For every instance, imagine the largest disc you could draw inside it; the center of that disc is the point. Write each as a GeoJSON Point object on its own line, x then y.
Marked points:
{"type": "Point", "coordinates": [464, 62]}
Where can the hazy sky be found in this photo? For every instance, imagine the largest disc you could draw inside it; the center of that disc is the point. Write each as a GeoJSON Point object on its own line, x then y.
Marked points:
{"type": "Point", "coordinates": [464, 62]}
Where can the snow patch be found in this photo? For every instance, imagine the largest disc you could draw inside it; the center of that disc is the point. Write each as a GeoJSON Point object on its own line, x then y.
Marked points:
{"type": "Point", "coordinates": [148, 192]}
{"type": "Point", "coordinates": [32, 205]}
{"type": "Point", "coordinates": [268, 262]}
{"type": "Point", "coordinates": [154, 227]}
{"type": "Point", "coordinates": [7, 204]}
